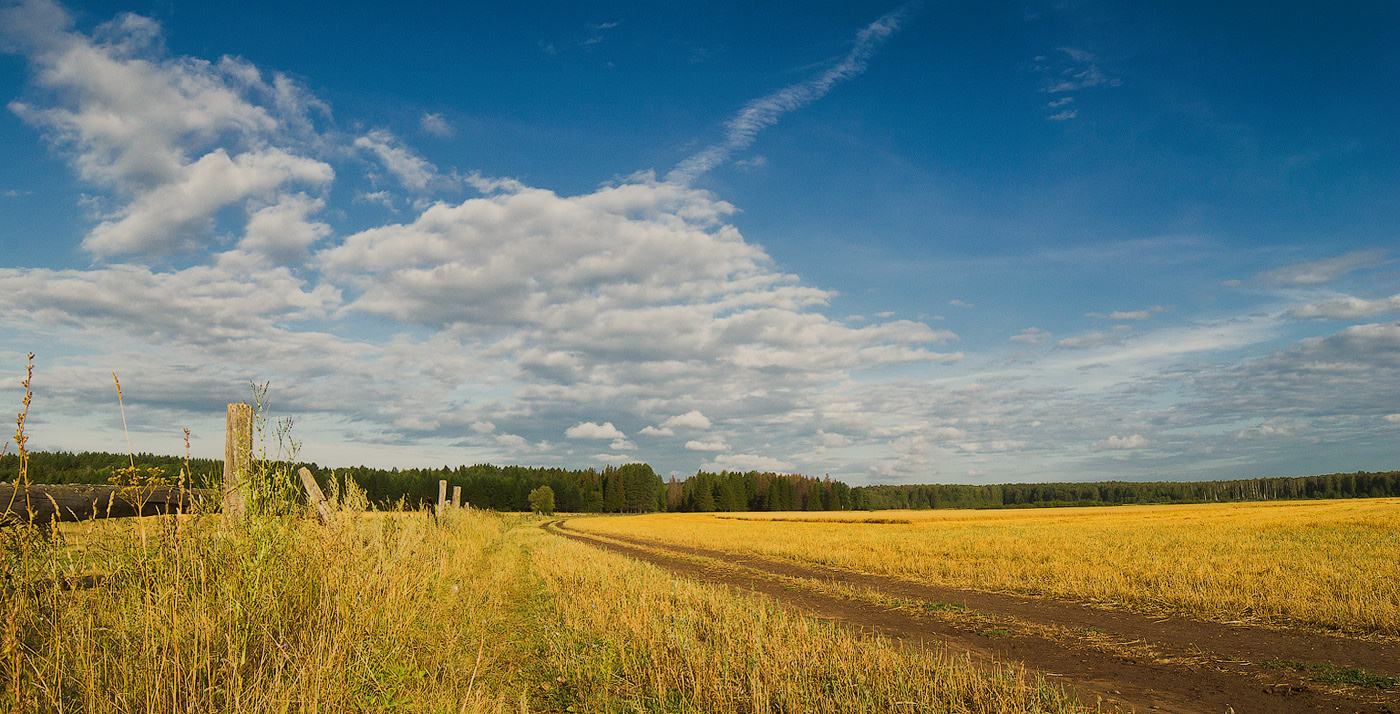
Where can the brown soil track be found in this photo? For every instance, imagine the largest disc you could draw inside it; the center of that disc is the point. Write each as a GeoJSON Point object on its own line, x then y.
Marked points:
{"type": "Point", "coordinates": [1199, 666]}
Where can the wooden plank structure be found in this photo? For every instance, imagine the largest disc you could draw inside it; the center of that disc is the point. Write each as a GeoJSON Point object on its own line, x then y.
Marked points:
{"type": "Point", "coordinates": [456, 497]}
{"type": "Point", "coordinates": [45, 503]}
{"type": "Point", "coordinates": [442, 497]}
{"type": "Point", "coordinates": [314, 496]}
{"type": "Point", "coordinates": [238, 458]}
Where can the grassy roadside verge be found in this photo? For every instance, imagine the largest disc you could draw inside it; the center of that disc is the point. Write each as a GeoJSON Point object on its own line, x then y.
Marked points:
{"type": "Point", "coordinates": [392, 612]}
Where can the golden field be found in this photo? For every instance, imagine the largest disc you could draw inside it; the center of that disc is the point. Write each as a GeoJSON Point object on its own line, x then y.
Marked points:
{"type": "Point", "coordinates": [398, 612]}
{"type": "Point", "coordinates": [1323, 564]}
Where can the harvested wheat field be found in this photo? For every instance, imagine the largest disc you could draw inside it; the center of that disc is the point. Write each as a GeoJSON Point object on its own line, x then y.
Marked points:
{"type": "Point", "coordinates": [1260, 607]}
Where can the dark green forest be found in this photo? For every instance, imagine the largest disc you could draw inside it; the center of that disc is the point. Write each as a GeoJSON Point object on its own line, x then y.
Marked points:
{"type": "Point", "coordinates": [635, 488]}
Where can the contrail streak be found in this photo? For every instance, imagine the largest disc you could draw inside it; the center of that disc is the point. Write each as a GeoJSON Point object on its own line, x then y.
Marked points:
{"type": "Point", "coordinates": [766, 110]}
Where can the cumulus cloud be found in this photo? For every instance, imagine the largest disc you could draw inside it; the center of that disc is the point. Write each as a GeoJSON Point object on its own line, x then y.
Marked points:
{"type": "Point", "coordinates": [1120, 443]}
{"type": "Point", "coordinates": [436, 125]}
{"type": "Point", "coordinates": [690, 420]}
{"type": "Point", "coordinates": [747, 462]}
{"type": "Point", "coordinates": [654, 431]}
{"type": "Point", "coordinates": [283, 231]}
{"type": "Point", "coordinates": [203, 304]}
{"type": "Point", "coordinates": [716, 445]}
{"type": "Point", "coordinates": [175, 139]}
{"type": "Point", "coordinates": [593, 430]}
{"type": "Point", "coordinates": [1317, 272]}
{"type": "Point", "coordinates": [1345, 308]}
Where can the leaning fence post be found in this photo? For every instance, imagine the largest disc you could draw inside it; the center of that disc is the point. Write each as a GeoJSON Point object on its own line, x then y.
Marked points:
{"type": "Point", "coordinates": [442, 496]}
{"type": "Point", "coordinates": [238, 457]}
{"type": "Point", "coordinates": [314, 495]}
{"type": "Point", "coordinates": [456, 497]}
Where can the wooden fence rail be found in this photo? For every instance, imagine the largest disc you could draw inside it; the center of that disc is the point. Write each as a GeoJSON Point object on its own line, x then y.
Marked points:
{"type": "Point", "coordinates": [45, 503]}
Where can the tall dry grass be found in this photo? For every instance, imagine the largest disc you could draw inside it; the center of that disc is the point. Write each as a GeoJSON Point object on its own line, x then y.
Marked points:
{"type": "Point", "coordinates": [1326, 564]}
{"type": "Point", "coordinates": [476, 613]}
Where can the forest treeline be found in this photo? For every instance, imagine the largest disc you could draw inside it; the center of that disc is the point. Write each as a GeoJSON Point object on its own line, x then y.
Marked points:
{"type": "Point", "coordinates": [635, 488]}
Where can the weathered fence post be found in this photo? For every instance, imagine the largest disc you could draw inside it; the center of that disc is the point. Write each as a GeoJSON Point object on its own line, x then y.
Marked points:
{"type": "Point", "coordinates": [456, 497]}
{"type": "Point", "coordinates": [442, 496]}
{"type": "Point", "coordinates": [238, 458]}
{"type": "Point", "coordinates": [314, 496]}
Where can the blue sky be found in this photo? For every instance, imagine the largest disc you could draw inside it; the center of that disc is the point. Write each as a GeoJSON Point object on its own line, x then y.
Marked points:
{"type": "Point", "coordinates": [954, 242]}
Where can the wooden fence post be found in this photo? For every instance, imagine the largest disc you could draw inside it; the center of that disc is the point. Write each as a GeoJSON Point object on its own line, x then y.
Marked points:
{"type": "Point", "coordinates": [314, 496]}
{"type": "Point", "coordinates": [456, 497]}
{"type": "Point", "coordinates": [238, 458]}
{"type": "Point", "coordinates": [442, 496]}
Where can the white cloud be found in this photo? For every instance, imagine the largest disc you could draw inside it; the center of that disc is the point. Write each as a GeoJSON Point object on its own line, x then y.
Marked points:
{"type": "Point", "coordinates": [1120, 443]}
{"type": "Point", "coordinates": [1269, 430]}
{"type": "Point", "coordinates": [690, 420]}
{"type": "Point", "coordinates": [1317, 272]}
{"type": "Point", "coordinates": [1064, 115]}
{"type": "Point", "coordinates": [751, 164]}
{"type": "Point", "coordinates": [717, 445]}
{"type": "Point", "coordinates": [622, 445]}
{"type": "Point", "coordinates": [833, 440]}
{"type": "Point", "coordinates": [382, 198]}
{"type": "Point", "coordinates": [511, 441]}
{"type": "Point", "coordinates": [614, 458]}
{"type": "Point", "coordinates": [483, 427]}
{"type": "Point", "coordinates": [131, 118]}
{"type": "Point", "coordinates": [1091, 340]}
{"type": "Point", "coordinates": [1060, 102]}
{"type": "Point", "coordinates": [765, 111]}
{"type": "Point", "coordinates": [1392, 418]}
{"type": "Point", "coordinates": [283, 231]}
{"type": "Point", "coordinates": [1082, 73]}
{"type": "Point", "coordinates": [1032, 336]}
{"type": "Point", "coordinates": [747, 462]}
{"type": "Point", "coordinates": [1345, 308]}
{"type": "Point", "coordinates": [166, 219]}
{"type": "Point", "coordinates": [653, 431]}
{"type": "Point", "coordinates": [412, 170]}
{"type": "Point", "coordinates": [593, 430]}
{"type": "Point", "coordinates": [205, 305]}
{"type": "Point", "coordinates": [1121, 315]}
{"type": "Point", "coordinates": [436, 125]}
{"type": "Point", "coordinates": [960, 303]}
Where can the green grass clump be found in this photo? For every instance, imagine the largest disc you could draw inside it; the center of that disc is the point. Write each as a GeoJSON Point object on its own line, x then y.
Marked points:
{"type": "Point", "coordinates": [1331, 674]}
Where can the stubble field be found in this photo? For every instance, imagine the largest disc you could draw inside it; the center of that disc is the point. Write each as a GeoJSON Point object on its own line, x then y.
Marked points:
{"type": "Point", "coordinates": [1323, 564]}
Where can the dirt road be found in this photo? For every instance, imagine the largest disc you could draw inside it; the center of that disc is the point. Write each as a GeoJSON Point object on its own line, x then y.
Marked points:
{"type": "Point", "coordinates": [1131, 660]}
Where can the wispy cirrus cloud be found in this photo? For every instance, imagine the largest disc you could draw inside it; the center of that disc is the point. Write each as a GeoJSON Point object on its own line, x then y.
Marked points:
{"type": "Point", "coordinates": [1319, 272]}
{"type": "Point", "coordinates": [761, 113]}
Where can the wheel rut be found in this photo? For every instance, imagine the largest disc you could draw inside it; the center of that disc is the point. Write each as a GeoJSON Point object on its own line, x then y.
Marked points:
{"type": "Point", "coordinates": [1171, 665]}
